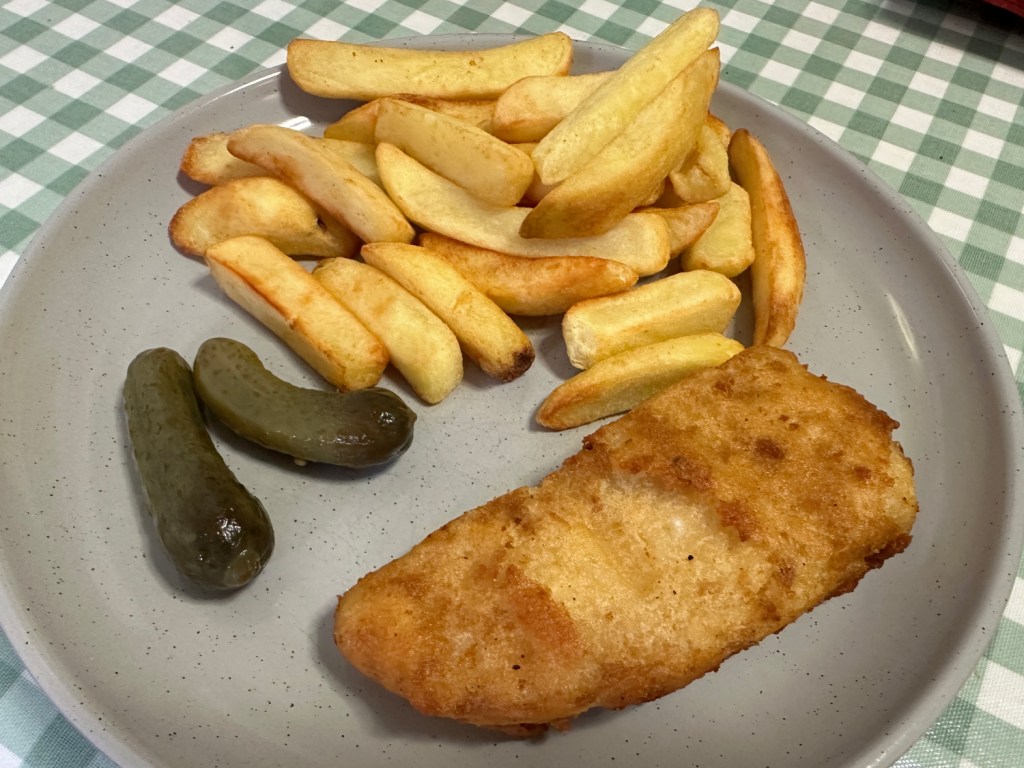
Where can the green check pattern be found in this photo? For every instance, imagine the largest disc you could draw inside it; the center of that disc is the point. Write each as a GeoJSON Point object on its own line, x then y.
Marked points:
{"type": "Point", "coordinates": [930, 94]}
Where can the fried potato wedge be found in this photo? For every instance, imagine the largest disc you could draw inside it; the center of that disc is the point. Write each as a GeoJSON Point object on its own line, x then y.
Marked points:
{"type": "Point", "coordinates": [727, 246]}
{"type": "Point", "coordinates": [623, 381]}
{"type": "Point", "coordinates": [654, 195]}
{"type": "Point", "coordinates": [531, 107]}
{"type": "Point", "coordinates": [640, 240]}
{"type": "Point", "coordinates": [360, 124]}
{"type": "Point", "coordinates": [331, 182]}
{"type": "Point", "coordinates": [353, 71]}
{"type": "Point", "coordinates": [779, 270]}
{"type": "Point", "coordinates": [282, 295]}
{"type": "Point", "coordinates": [532, 287]}
{"type": "Point", "coordinates": [687, 223]}
{"type": "Point", "coordinates": [537, 189]}
{"type": "Point", "coordinates": [485, 166]}
{"type": "Point", "coordinates": [361, 156]}
{"type": "Point", "coordinates": [616, 102]}
{"type": "Point", "coordinates": [207, 160]}
{"type": "Point", "coordinates": [704, 174]}
{"type": "Point", "coordinates": [623, 174]}
{"type": "Point", "coordinates": [678, 305]}
{"type": "Point", "coordinates": [420, 345]}
{"type": "Point", "coordinates": [487, 335]}
{"type": "Point", "coordinates": [669, 198]}
{"type": "Point", "coordinates": [263, 206]}
{"type": "Point", "coordinates": [722, 131]}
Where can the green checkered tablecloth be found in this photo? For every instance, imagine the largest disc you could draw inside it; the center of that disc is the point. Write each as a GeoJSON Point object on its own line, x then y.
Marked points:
{"type": "Point", "coordinates": [929, 94]}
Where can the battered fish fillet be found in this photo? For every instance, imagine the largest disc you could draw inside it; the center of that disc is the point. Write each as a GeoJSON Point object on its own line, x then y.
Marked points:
{"type": "Point", "coordinates": [709, 517]}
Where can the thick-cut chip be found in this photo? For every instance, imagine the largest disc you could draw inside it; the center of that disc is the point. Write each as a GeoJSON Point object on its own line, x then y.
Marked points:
{"type": "Point", "coordinates": [263, 206]}
{"type": "Point", "coordinates": [779, 269]}
{"type": "Point", "coordinates": [669, 198]}
{"type": "Point", "coordinates": [622, 175]}
{"type": "Point", "coordinates": [530, 108]}
{"type": "Point", "coordinates": [704, 174]}
{"type": "Point", "coordinates": [282, 295]}
{"type": "Point", "coordinates": [640, 241]}
{"type": "Point", "coordinates": [325, 178]}
{"type": "Point", "coordinates": [360, 123]}
{"type": "Point", "coordinates": [623, 381]}
{"type": "Point", "coordinates": [606, 112]}
{"type": "Point", "coordinates": [727, 246]}
{"type": "Point", "coordinates": [419, 344]}
{"type": "Point", "coordinates": [352, 71]}
{"type": "Point", "coordinates": [722, 131]}
{"type": "Point", "coordinates": [360, 156]}
{"type": "Point", "coordinates": [654, 195]}
{"type": "Point", "coordinates": [532, 287]}
{"type": "Point", "coordinates": [208, 161]}
{"type": "Point", "coordinates": [677, 305]}
{"type": "Point", "coordinates": [538, 189]}
{"type": "Point", "coordinates": [487, 335]}
{"type": "Point", "coordinates": [687, 223]}
{"type": "Point", "coordinates": [486, 167]}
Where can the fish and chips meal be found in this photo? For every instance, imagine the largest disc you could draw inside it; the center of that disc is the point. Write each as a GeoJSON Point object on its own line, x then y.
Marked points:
{"type": "Point", "coordinates": [472, 188]}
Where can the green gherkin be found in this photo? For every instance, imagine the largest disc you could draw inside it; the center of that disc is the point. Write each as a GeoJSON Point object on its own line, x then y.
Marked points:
{"type": "Point", "coordinates": [215, 531]}
{"type": "Point", "coordinates": [362, 428]}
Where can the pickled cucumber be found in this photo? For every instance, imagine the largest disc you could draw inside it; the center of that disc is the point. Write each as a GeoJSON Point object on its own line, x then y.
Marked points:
{"type": "Point", "coordinates": [215, 531]}
{"type": "Point", "coordinates": [361, 428]}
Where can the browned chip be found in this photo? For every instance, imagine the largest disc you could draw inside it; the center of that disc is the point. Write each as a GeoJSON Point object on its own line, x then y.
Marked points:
{"type": "Point", "coordinates": [532, 287]}
{"type": "Point", "coordinates": [263, 206]}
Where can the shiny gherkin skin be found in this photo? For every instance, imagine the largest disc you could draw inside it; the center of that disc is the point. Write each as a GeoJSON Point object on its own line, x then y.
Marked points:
{"type": "Point", "coordinates": [215, 531]}
{"type": "Point", "coordinates": [362, 428]}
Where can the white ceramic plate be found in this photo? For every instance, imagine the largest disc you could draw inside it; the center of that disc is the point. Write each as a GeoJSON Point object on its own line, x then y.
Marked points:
{"type": "Point", "coordinates": [157, 674]}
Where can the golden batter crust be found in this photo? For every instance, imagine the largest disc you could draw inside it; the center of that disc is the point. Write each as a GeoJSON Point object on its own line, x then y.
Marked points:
{"type": "Point", "coordinates": [709, 517]}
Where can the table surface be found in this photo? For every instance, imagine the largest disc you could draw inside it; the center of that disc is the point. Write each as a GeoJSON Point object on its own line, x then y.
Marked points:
{"type": "Point", "coordinates": [929, 94]}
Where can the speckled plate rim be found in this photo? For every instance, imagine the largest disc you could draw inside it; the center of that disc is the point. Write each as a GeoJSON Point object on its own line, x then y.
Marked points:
{"type": "Point", "coordinates": [936, 694]}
